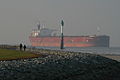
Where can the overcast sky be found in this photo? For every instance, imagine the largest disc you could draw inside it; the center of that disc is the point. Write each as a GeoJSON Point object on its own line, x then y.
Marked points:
{"type": "Point", "coordinates": [82, 17]}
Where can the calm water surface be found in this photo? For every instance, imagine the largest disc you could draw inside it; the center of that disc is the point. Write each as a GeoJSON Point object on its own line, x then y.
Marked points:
{"type": "Point", "coordinates": [98, 50]}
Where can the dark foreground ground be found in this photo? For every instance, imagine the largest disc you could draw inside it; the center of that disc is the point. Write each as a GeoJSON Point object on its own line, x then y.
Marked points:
{"type": "Point", "coordinates": [57, 65]}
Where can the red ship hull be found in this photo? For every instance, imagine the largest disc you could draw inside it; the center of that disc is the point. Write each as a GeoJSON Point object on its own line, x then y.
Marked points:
{"type": "Point", "coordinates": [70, 41]}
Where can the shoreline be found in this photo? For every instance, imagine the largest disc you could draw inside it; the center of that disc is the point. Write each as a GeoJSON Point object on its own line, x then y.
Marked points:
{"type": "Point", "coordinates": [111, 56]}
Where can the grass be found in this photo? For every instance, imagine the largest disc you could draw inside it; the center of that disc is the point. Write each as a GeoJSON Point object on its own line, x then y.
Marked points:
{"type": "Point", "coordinates": [6, 54]}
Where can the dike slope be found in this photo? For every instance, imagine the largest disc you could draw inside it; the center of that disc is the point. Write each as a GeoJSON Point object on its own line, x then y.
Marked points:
{"type": "Point", "coordinates": [59, 65]}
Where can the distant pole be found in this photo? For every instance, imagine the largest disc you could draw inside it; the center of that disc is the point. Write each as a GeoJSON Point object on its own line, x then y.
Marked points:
{"type": "Point", "coordinates": [62, 35]}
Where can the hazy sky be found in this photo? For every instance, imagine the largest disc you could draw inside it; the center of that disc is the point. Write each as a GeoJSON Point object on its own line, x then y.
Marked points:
{"type": "Point", "coordinates": [82, 17]}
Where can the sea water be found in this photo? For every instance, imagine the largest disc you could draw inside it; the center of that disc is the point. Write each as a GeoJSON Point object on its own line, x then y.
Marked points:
{"type": "Point", "coordinates": [93, 50]}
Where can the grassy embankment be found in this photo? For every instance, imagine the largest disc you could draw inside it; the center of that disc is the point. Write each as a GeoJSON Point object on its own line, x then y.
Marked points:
{"type": "Point", "coordinates": [7, 54]}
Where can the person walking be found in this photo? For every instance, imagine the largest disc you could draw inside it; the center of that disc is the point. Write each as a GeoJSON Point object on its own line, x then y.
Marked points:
{"type": "Point", "coordinates": [24, 47]}
{"type": "Point", "coordinates": [21, 46]}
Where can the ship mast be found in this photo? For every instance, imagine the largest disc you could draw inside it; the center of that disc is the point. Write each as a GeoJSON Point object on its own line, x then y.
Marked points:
{"type": "Point", "coordinates": [39, 25]}
{"type": "Point", "coordinates": [98, 30]}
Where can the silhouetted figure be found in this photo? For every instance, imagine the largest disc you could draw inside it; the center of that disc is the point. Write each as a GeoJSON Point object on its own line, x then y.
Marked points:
{"type": "Point", "coordinates": [21, 47]}
{"type": "Point", "coordinates": [24, 47]}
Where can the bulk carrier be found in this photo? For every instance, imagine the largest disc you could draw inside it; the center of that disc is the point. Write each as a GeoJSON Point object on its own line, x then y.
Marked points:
{"type": "Point", "coordinates": [44, 37]}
